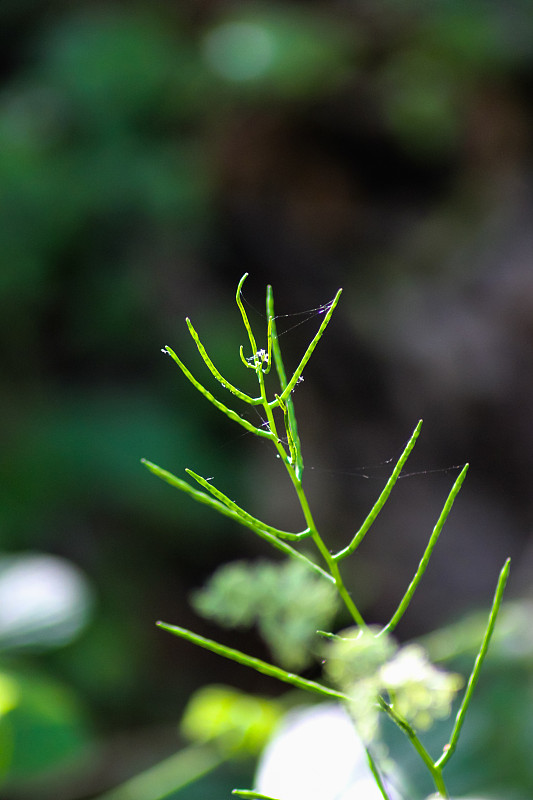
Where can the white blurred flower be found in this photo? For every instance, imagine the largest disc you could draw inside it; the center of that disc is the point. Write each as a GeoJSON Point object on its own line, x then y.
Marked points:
{"type": "Point", "coordinates": [44, 601]}
{"type": "Point", "coordinates": [316, 754]}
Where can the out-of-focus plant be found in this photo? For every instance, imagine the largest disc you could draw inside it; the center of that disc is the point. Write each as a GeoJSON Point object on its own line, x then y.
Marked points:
{"type": "Point", "coordinates": [364, 667]}
{"type": "Point", "coordinates": [45, 602]}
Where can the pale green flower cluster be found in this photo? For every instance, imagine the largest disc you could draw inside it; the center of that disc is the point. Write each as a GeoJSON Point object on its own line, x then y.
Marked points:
{"type": "Point", "coordinates": [419, 691]}
{"type": "Point", "coordinates": [366, 665]}
{"type": "Point", "coordinates": [284, 599]}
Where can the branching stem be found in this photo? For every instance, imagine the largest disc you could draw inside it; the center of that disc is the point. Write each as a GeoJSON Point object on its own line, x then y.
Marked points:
{"type": "Point", "coordinates": [288, 449]}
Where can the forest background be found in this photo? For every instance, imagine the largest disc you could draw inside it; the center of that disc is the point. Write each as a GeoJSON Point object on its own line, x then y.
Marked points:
{"type": "Point", "coordinates": [150, 153]}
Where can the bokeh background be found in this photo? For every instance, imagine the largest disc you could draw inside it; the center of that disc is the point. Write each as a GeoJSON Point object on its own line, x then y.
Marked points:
{"type": "Point", "coordinates": [150, 154]}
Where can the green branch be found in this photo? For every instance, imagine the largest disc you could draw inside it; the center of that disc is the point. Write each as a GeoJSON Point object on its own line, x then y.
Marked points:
{"type": "Point", "coordinates": [365, 527]}
{"type": "Point", "coordinates": [404, 603]}
{"type": "Point", "coordinates": [472, 681]}
{"type": "Point", "coordinates": [229, 412]}
{"type": "Point", "coordinates": [205, 499]}
{"type": "Point", "coordinates": [254, 401]}
{"type": "Point", "coordinates": [254, 663]}
{"type": "Point", "coordinates": [244, 514]}
{"type": "Point", "coordinates": [290, 423]}
{"type": "Point", "coordinates": [309, 352]}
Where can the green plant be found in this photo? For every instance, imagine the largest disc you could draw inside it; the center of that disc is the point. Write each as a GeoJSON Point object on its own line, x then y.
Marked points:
{"type": "Point", "coordinates": [364, 667]}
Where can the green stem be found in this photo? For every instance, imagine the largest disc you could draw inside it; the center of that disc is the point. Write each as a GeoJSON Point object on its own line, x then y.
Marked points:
{"type": "Point", "coordinates": [363, 530]}
{"type": "Point", "coordinates": [205, 499]}
{"type": "Point", "coordinates": [255, 663]}
{"type": "Point", "coordinates": [167, 777]}
{"type": "Point", "coordinates": [376, 773]}
{"type": "Point", "coordinates": [433, 768]}
{"type": "Point", "coordinates": [332, 565]}
{"type": "Point", "coordinates": [292, 428]}
{"type": "Point", "coordinates": [404, 603]}
{"type": "Point", "coordinates": [309, 352]}
{"type": "Point", "coordinates": [231, 504]}
{"type": "Point", "coordinates": [459, 720]}
{"type": "Point", "coordinates": [245, 316]}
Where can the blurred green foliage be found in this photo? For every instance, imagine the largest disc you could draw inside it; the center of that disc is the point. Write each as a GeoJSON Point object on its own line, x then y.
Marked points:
{"type": "Point", "coordinates": [46, 729]}
{"type": "Point", "coordinates": [234, 722]}
{"type": "Point", "coordinates": [287, 601]}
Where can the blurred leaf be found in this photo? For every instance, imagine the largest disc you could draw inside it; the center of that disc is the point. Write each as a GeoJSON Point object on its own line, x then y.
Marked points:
{"type": "Point", "coordinates": [112, 64]}
{"type": "Point", "coordinates": [422, 101]}
{"type": "Point", "coordinates": [87, 446]}
{"type": "Point", "coordinates": [9, 694]}
{"type": "Point", "coordinates": [46, 730]}
{"type": "Point", "coordinates": [235, 722]}
{"type": "Point", "coordinates": [281, 50]}
{"type": "Point", "coordinates": [288, 603]}
{"type": "Point", "coordinates": [484, 37]}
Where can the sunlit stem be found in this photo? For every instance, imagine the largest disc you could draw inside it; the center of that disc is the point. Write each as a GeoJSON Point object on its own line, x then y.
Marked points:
{"type": "Point", "coordinates": [434, 769]}
{"type": "Point", "coordinates": [255, 663]}
{"type": "Point", "coordinates": [269, 346]}
{"type": "Point", "coordinates": [365, 527]}
{"type": "Point", "coordinates": [245, 316]}
{"type": "Point", "coordinates": [229, 412]}
{"type": "Point", "coordinates": [292, 427]}
{"type": "Point", "coordinates": [404, 603]}
{"type": "Point", "coordinates": [472, 681]}
{"type": "Point", "coordinates": [309, 352]}
{"type": "Point", "coordinates": [205, 499]}
{"type": "Point", "coordinates": [244, 514]}
{"type": "Point", "coordinates": [377, 775]}
{"type": "Point", "coordinates": [311, 526]}
{"type": "Point", "coordinates": [214, 371]}
{"type": "Point", "coordinates": [286, 421]}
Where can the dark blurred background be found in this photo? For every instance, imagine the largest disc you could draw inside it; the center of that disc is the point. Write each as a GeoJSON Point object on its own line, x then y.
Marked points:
{"type": "Point", "coordinates": [150, 154]}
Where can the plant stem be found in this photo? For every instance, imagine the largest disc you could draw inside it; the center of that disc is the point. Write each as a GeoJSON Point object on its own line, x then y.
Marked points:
{"type": "Point", "coordinates": [255, 663]}
{"type": "Point", "coordinates": [433, 768]}
{"type": "Point", "coordinates": [304, 504]}
{"type": "Point", "coordinates": [365, 527]}
{"type": "Point", "coordinates": [496, 603]}
{"type": "Point", "coordinates": [404, 603]}
{"type": "Point", "coordinates": [167, 777]}
{"type": "Point", "coordinates": [323, 550]}
{"type": "Point", "coordinates": [377, 776]}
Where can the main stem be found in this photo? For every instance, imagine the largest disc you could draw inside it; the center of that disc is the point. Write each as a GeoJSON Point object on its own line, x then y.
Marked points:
{"type": "Point", "coordinates": [324, 552]}
{"type": "Point", "coordinates": [304, 504]}
{"type": "Point", "coordinates": [434, 769]}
